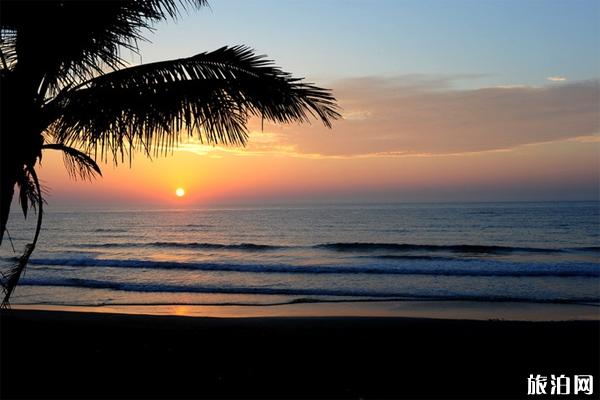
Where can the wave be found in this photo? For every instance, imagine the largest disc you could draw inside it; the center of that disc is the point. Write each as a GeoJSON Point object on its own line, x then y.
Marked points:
{"type": "Point", "coordinates": [315, 300]}
{"type": "Point", "coordinates": [458, 268]}
{"type": "Point", "coordinates": [187, 245]}
{"type": "Point", "coordinates": [353, 247]}
{"type": "Point", "coordinates": [412, 257]}
{"type": "Point", "coordinates": [459, 248]}
{"type": "Point", "coordinates": [173, 288]}
{"type": "Point", "coordinates": [589, 249]}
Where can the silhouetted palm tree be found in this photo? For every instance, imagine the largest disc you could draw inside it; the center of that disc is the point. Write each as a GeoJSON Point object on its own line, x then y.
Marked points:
{"type": "Point", "coordinates": [64, 86]}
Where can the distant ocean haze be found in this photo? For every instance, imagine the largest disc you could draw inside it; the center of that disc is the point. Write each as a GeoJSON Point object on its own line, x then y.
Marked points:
{"type": "Point", "coordinates": [490, 252]}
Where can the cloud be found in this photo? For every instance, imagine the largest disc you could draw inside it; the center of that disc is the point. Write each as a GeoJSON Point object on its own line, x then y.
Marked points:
{"type": "Point", "coordinates": [407, 115]}
{"type": "Point", "coordinates": [556, 78]}
{"type": "Point", "coordinates": [510, 86]}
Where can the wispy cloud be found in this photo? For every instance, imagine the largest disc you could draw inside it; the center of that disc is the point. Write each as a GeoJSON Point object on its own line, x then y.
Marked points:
{"type": "Point", "coordinates": [411, 116]}
{"type": "Point", "coordinates": [556, 78]}
{"type": "Point", "coordinates": [399, 116]}
{"type": "Point", "coordinates": [511, 86]}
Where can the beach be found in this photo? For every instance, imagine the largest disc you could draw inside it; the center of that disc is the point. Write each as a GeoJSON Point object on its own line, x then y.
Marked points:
{"type": "Point", "coordinates": [58, 354]}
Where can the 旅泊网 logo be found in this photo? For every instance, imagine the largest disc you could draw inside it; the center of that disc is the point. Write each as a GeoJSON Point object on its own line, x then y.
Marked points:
{"type": "Point", "coordinates": [560, 384]}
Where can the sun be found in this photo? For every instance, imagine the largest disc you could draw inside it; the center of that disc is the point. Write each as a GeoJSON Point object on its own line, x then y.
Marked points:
{"type": "Point", "coordinates": [180, 192]}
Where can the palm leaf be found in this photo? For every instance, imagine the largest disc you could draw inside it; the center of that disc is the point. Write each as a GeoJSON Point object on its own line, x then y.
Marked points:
{"type": "Point", "coordinates": [59, 42]}
{"type": "Point", "coordinates": [8, 54]}
{"type": "Point", "coordinates": [27, 191]}
{"type": "Point", "coordinates": [212, 94]}
{"type": "Point", "coordinates": [78, 164]}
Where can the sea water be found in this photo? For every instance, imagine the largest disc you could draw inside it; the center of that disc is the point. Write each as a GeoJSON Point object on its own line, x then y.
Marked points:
{"type": "Point", "coordinates": [488, 252]}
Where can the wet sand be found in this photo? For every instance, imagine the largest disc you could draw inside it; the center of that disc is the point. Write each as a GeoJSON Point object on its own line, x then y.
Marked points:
{"type": "Point", "coordinates": [56, 354]}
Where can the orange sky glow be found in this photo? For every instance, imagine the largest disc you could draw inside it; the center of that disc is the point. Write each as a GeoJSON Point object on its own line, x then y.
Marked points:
{"type": "Point", "coordinates": [402, 139]}
{"type": "Point", "coordinates": [398, 143]}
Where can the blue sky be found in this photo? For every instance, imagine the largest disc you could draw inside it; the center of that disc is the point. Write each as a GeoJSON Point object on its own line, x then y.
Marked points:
{"type": "Point", "coordinates": [506, 42]}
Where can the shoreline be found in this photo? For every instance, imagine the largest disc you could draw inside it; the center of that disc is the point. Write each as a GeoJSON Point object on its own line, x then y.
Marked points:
{"type": "Point", "coordinates": [456, 310]}
{"type": "Point", "coordinates": [59, 354]}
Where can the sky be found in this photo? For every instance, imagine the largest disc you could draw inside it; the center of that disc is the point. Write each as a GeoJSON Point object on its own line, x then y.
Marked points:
{"type": "Point", "coordinates": [441, 101]}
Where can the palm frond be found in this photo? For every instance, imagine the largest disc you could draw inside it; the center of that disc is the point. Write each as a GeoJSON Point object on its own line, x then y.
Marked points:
{"type": "Point", "coordinates": [10, 280]}
{"type": "Point", "coordinates": [29, 196]}
{"type": "Point", "coordinates": [65, 41]}
{"type": "Point", "coordinates": [8, 52]}
{"type": "Point", "coordinates": [27, 192]}
{"type": "Point", "coordinates": [78, 164]}
{"type": "Point", "coordinates": [212, 94]}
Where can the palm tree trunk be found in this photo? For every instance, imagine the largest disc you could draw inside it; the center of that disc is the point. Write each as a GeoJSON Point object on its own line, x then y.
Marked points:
{"type": "Point", "coordinates": [10, 170]}
{"type": "Point", "coordinates": [11, 279]}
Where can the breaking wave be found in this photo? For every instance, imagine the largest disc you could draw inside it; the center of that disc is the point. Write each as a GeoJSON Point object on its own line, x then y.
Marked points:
{"type": "Point", "coordinates": [368, 294]}
{"type": "Point", "coordinates": [189, 245]}
{"type": "Point", "coordinates": [459, 248]}
{"type": "Point", "coordinates": [427, 267]}
{"type": "Point", "coordinates": [352, 247]}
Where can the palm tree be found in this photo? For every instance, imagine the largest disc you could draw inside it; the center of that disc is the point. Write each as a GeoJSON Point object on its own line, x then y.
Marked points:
{"type": "Point", "coordinates": [65, 87]}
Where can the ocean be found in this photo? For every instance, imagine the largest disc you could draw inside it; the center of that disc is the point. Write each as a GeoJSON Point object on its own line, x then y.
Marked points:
{"type": "Point", "coordinates": [532, 253]}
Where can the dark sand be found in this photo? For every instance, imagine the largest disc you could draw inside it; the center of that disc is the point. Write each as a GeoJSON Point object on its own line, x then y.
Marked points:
{"type": "Point", "coordinates": [48, 354]}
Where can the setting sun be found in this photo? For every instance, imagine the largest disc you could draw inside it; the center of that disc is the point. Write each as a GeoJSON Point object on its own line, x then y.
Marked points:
{"type": "Point", "coordinates": [180, 192]}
